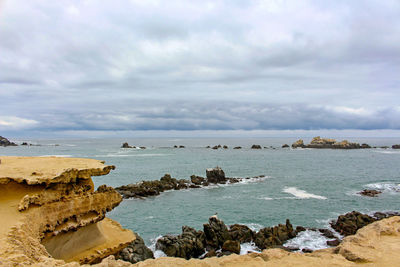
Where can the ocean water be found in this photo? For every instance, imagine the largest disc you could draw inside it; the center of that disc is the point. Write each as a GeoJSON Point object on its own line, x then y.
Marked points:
{"type": "Point", "coordinates": [307, 186]}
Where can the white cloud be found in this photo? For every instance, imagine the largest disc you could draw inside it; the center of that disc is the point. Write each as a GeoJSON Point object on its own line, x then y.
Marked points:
{"type": "Point", "coordinates": [12, 123]}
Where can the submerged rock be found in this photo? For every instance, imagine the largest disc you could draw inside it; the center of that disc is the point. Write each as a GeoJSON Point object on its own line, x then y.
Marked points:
{"type": "Point", "coordinates": [237, 147]}
{"type": "Point", "coordinates": [370, 192]}
{"type": "Point", "coordinates": [5, 142]}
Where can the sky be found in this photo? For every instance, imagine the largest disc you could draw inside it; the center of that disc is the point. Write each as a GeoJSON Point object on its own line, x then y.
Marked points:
{"type": "Point", "coordinates": [115, 68]}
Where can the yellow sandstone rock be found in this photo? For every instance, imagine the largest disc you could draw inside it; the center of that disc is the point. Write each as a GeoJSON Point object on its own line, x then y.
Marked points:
{"type": "Point", "coordinates": [49, 209]}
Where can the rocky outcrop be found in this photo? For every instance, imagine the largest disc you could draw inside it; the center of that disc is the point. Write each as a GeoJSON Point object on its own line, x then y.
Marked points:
{"type": "Point", "coordinates": [135, 252]}
{"type": "Point", "coordinates": [274, 236]}
{"type": "Point", "coordinates": [256, 147]}
{"type": "Point", "coordinates": [50, 210]}
{"type": "Point", "coordinates": [349, 223]}
{"type": "Point", "coordinates": [237, 147]}
{"type": "Point", "coordinates": [5, 142]}
{"type": "Point", "coordinates": [370, 192]}
{"type": "Point", "coordinates": [396, 147]}
{"type": "Point", "coordinates": [126, 145]}
{"type": "Point", "coordinates": [285, 146]}
{"type": "Point", "coordinates": [153, 188]}
{"type": "Point", "coordinates": [318, 142]}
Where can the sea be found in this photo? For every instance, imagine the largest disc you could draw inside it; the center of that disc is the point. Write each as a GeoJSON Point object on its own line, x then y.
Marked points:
{"type": "Point", "coordinates": [310, 187]}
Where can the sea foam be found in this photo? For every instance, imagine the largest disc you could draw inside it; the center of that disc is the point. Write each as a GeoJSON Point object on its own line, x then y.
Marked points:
{"type": "Point", "coordinates": [298, 193]}
{"type": "Point", "coordinates": [308, 239]}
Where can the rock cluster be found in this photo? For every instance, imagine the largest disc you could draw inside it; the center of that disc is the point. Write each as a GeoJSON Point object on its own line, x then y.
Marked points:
{"type": "Point", "coordinates": [5, 142]}
{"type": "Point", "coordinates": [370, 192]}
{"type": "Point", "coordinates": [135, 251]}
{"type": "Point", "coordinates": [255, 147]}
{"type": "Point", "coordinates": [126, 145]}
{"type": "Point", "coordinates": [318, 142]}
{"type": "Point", "coordinates": [217, 239]}
{"type": "Point", "coordinates": [396, 147]}
{"type": "Point", "coordinates": [153, 188]}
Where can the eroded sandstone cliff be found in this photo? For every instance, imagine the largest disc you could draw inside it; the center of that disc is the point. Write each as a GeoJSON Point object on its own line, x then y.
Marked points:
{"type": "Point", "coordinates": [49, 210]}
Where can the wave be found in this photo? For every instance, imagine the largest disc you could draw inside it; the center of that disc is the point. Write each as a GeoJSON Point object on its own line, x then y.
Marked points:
{"type": "Point", "coordinates": [132, 155]}
{"type": "Point", "coordinates": [387, 152]}
{"type": "Point", "coordinates": [246, 248]}
{"type": "Point", "coordinates": [308, 239]}
{"type": "Point", "coordinates": [152, 247]}
{"type": "Point", "coordinates": [389, 187]}
{"type": "Point", "coordinates": [298, 193]}
{"type": "Point", "coordinates": [265, 198]}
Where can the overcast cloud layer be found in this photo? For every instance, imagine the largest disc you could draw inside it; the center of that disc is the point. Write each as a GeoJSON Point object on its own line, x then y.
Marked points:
{"type": "Point", "coordinates": [198, 65]}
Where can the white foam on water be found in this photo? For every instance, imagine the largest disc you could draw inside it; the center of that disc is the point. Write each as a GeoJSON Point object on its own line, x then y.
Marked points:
{"type": "Point", "coordinates": [245, 248]}
{"type": "Point", "coordinates": [132, 155]}
{"type": "Point", "coordinates": [265, 198]}
{"type": "Point", "coordinates": [253, 180]}
{"type": "Point", "coordinates": [308, 239]}
{"type": "Point", "coordinates": [387, 152]}
{"type": "Point", "coordinates": [298, 193]}
{"type": "Point", "coordinates": [152, 247]}
{"type": "Point", "coordinates": [389, 187]}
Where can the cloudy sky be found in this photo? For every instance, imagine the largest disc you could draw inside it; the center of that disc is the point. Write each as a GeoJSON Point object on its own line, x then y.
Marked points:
{"type": "Point", "coordinates": [113, 67]}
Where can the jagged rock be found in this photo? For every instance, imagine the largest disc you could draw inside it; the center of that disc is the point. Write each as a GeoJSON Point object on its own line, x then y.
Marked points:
{"type": "Point", "coordinates": [135, 251]}
{"type": "Point", "coordinates": [333, 243]}
{"type": "Point", "coordinates": [216, 232]}
{"type": "Point", "coordinates": [232, 246]}
{"type": "Point", "coordinates": [255, 147]}
{"type": "Point", "coordinates": [189, 244]}
{"type": "Point", "coordinates": [285, 146]}
{"type": "Point", "coordinates": [300, 229]}
{"type": "Point", "coordinates": [274, 236]}
{"type": "Point", "coordinates": [349, 223]}
{"type": "Point", "coordinates": [197, 180]}
{"type": "Point", "coordinates": [215, 175]}
{"type": "Point", "coordinates": [370, 192]}
{"type": "Point", "coordinates": [298, 143]}
{"type": "Point", "coordinates": [396, 147]}
{"type": "Point", "coordinates": [126, 145]}
{"type": "Point", "coordinates": [237, 147]}
{"type": "Point", "coordinates": [326, 232]}
{"type": "Point", "coordinates": [5, 142]}
{"type": "Point", "coordinates": [241, 233]}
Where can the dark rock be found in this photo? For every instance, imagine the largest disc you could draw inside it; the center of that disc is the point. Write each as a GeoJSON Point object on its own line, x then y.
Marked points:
{"type": "Point", "coordinates": [396, 146]}
{"type": "Point", "coordinates": [255, 147]}
{"type": "Point", "coordinates": [384, 147]}
{"type": "Point", "coordinates": [300, 229]}
{"type": "Point", "coordinates": [187, 245]}
{"type": "Point", "coordinates": [142, 147]}
{"type": "Point", "coordinates": [225, 147]}
{"type": "Point", "coordinates": [197, 180]}
{"type": "Point", "coordinates": [181, 146]}
{"type": "Point", "coordinates": [333, 243]}
{"type": "Point", "coordinates": [215, 147]}
{"type": "Point", "coordinates": [126, 145]}
{"type": "Point", "coordinates": [211, 253]}
{"type": "Point", "coordinates": [208, 147]}
{"type": "Point", "coordinates": [285, 146]}
{"type": "Point", "coordinates": [274, 236]}
{"type": "Point", "coordinates": [237, 147]}
{"type": "Point", "coordinates": [233, 180]}
{"type": "Point", "coordinates": [327, 233]}
{"type": "Point", "coordinates": [5, 142]}
{"type": "Point", "coordinates": [306, 250]}
{"type": "Point", "coordinates": [349, 223]}
{"type": "Point", "coordinates": [216, 232]}
{"type": "Point", "coordinates": [135, 251]}
{"type": "Point", "coordinates": [24, 144]}
{"type": "Point", "coordinates": [241, 233]}
{"type": "Point", "coordinates": [370, 192]}
{"type": "Point", "coordinates": [365, 146]}
{"type": "Point", "coordinates": [215, 175]}
{"type": "Point", "coordinates": [232, 246]}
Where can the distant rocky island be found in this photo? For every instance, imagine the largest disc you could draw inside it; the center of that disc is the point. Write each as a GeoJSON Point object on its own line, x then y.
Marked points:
{"type": "Point", "coordinates": [318, 142]}
{"type": "Point", "coordinates": [5, 142]}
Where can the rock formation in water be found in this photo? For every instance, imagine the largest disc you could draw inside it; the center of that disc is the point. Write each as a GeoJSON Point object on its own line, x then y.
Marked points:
{"type": "Point", "coordinates": [5, 142]}
{"type": "Point", "coordinates": [370, 192]}
{"type": "Point", "coordinates": [49, 210]}
{"type": "Point", "coordinates": [318, 142]}
{"type": "Point", "coordinates": [126, 145]}
{"type": "Point", "coordinates": [396, 147]}
{"type": "Point", "coordinates": [153, 188]}
{"type": "Point", "coordinates": [256, 147]}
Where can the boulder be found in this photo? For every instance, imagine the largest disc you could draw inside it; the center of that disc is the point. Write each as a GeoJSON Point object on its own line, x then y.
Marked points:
{"type": "Point", "coordinates": [237, 147]}
{"type": "Point", "coordinates": [274, 236]}
{"type": "Point", "coordinates": [126, 145]}
{"type": "Point", "coordinates": [215, 147]}
{"type": "Point", "coordinates": [285, 146]}
{"type": "Point", "coordinates": [197, 180]}
{"type": "Point", "coordinates": [225, 147]}
{"type": "Point", "coordinates": [396, 147]}
{"type": "Point", "coordinates": [24, 144]}
{"type": "Point", "coordinates": [298, 143]}
{"type": "Point", "coordinates": [181, 146]}
{"type": "Point", "coordinates": [216, 232]}
{"type": "Point", "coordinates": [215, 175]}
{"type": "Point", "coordinates": [135, 251]}
{"type": "Point", "coordinates": [241, 233]}
{"type": "Point", "coordinates": [365, 146]}
{"type": "Point", "coordinates": [255, 147]}
{"type": "Point", "coordinates": [349, 223]}
{"type": "Point", "coordinates": [333, 243]}
{"type": "Point", "coordinates": [5, 142]}
{"type": "Point", "coordinates": [231, 246]}
{"type": "Point", "coordinates": [189, 244]}
{"type": "Point", "coordinates": [370, 192]}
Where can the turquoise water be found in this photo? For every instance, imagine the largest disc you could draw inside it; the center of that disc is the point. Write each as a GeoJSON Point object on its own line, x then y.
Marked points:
{"type": "Point", "coordinates": [308, 186]}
